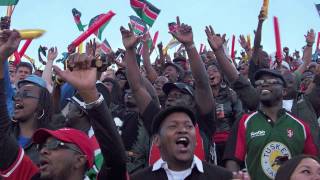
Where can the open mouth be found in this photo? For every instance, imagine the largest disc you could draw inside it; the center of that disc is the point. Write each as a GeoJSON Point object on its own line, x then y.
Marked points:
{"type": "Point", "coordinates": [183, 141]}
{"type": "Point", "coordinates": [265, 91]}
{"type": "Point", "coordinates": [43, 164]}
{"type": "Point", "coordinates": [19, 106]}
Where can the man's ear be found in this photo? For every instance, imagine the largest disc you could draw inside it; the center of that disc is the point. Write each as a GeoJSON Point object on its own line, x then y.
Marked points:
{"type": "Point", "coordinates": [80, 161]}
{"type": "Point", "coordinates": [156, 140]}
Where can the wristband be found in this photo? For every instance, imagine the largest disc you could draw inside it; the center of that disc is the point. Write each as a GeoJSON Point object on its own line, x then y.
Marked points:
{"type": "Point", "coordinates": [94, 103]}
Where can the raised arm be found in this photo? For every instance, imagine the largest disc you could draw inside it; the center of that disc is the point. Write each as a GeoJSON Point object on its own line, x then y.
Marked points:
{"type": "Point", "coordinates": [216, 44]}
{"type": "Point", "coordinates": [203, 94]}
{"type": "Point", "coordinates": [47, 72]}
{"type": "Point", "coordinates": [242, 86]}
{"type": "Point", "coordinates": [257, 39]}
{"type": "Point", "coordinates": [151, 72]}
{"type": "Point", "coordinates": [83, 78]}
{"type": "Point", "coordinates": [9, 149]}
{"type": "Point", "coordinates": [134, 77]}
{"type": "Point", "coordinates": [161, 55]}
{"type": "Point", "coordinates": [307, 51]}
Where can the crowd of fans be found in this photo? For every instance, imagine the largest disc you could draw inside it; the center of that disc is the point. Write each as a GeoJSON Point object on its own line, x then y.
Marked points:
{"type": "Point", "coordinates": [197, 116]}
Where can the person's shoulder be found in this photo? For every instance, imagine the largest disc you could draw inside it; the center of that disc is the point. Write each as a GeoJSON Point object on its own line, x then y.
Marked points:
{"type": "Point", "coordinates": [141, 174]}
{"type": "Point", "coordinates": [216, 171]}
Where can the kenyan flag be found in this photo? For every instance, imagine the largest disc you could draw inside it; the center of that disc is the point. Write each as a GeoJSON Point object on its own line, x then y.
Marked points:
{"type": "Point", "coordinates": [76, 16]}
{"type": "Point", "coordinates": [145, 10]}
{"type": "Point", "coordinates": [100, 30]}
{"type": "Point", "coordinates": [138, 25]}
{"type": "Point", "coordinates": [105, 47]}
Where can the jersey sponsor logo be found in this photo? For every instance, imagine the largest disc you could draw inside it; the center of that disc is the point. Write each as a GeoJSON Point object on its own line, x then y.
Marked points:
{"type": "Point", "coordinates": [257, 134]}
{"type": "Point", "coordinates": [272, 156]}
{"type": "Point", "coordinates": [290, 132]}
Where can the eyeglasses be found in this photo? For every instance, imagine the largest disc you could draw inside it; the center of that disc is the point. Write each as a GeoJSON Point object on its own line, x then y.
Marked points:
{"type": "Point", "coordinates": [55, 145]}
{"type": "Point", "coordinates": [268, 82]}
{"type": "Point", "coordinates": [24, 94]}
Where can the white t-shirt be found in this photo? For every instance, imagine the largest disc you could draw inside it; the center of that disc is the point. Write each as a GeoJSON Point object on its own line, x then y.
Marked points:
{"type": "Point", "coordinates": [178, 175]}
{"type": "Point", "coordinates": [287, 104]}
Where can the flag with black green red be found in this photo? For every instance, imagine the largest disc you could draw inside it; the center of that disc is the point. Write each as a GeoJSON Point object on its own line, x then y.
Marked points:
{"type": "Point", "coordinates": [105, 47]}
{"type": "Point", "coordinates": [145, 10]}
{"type": "Point", "coordinates": [76, 16]}
{"type": "Point", "coordinates": [8, 2]}
{"type": "Point", "coordinates": [138, 25]}
{"type": "Point", "coordinates": [98, 33]}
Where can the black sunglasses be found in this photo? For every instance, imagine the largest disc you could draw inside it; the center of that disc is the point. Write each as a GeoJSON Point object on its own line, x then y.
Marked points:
{"type": "Point", "coordinates": [24, 94]}
{"type": "Point", "coordinates": [55, 145]}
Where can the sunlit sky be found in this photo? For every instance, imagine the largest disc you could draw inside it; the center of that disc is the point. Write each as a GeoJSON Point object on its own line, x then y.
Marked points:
{"type": "Point", "coordinates": [227, 16]}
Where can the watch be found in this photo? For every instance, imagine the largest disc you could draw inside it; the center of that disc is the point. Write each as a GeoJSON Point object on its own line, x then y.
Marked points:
{"type": "Point", "coordinates": [94, 103]}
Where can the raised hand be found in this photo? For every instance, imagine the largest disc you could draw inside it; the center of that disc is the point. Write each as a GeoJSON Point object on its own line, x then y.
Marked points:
{"type": "Point", "coordinates": [183, 33]}
{"type": "Point", "coordinates": [82, 77]}
{"type": "Point", "coordinates": [91, 48]}
{"type": "Point", "coordinates": [145, 38]}
{"type": "Point", "coordinates": [9, 42]}
{"type": "Point", "coordinates": [129, 39]}
{"type": "Point", "coordinates": [310, 37]}
{"type": "Point", "coordinates": [215, 41]}
{"type": "Point", "coordinates": [52, 54]}
{"type": "Point", "coordinates": [243, 42]}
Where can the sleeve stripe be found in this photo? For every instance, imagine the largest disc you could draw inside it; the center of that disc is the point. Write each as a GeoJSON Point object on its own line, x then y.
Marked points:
{"type": "Point", "coordinates": [15, 165]}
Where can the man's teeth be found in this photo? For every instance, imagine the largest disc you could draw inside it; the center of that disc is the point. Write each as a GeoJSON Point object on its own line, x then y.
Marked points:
{"type": "Point", "coordinates": [265, 91]}
{"type": "Point", "coordinates": [184, 141]}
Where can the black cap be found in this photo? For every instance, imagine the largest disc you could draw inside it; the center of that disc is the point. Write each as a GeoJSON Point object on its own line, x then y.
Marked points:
{"type": "Point", "coordinates": [270, 72]}
{"type": "Point", "coordinates": [161, 116]}
{"type": "Point", "coordinates": [183, 87]}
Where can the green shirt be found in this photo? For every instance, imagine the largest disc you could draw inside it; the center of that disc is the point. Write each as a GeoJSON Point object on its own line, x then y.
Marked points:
{"type": "Point", "coordinates": [262, 143]}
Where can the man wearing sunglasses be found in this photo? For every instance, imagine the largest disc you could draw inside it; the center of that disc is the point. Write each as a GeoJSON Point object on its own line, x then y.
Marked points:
{"type": "Point", "coordinates": [264, 136]}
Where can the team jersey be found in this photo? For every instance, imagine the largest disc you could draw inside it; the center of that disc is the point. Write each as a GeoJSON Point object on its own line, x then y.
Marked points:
{"type": "Point", "coordinates": [264, 144]}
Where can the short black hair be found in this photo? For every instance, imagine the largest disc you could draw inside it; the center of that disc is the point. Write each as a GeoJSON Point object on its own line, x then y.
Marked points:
{"type": "Point", "coordinates": [161, 116]}
{"type": "Point", "coordinates": [24, 64]}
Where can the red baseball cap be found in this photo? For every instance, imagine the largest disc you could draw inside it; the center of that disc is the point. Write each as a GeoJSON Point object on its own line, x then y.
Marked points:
{"type": "Point", "coordinates": [68, 135]}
